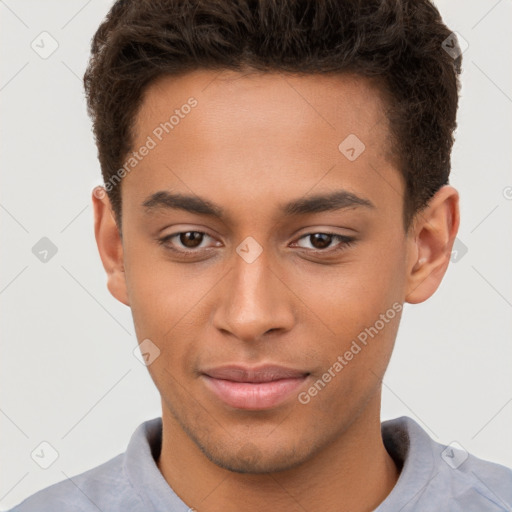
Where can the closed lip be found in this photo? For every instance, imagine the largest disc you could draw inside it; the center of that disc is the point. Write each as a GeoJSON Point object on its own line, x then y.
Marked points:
{"type": "Point", "coordinates": [261, 374]}
{"type": "Point", "coordinates": [253, 388]}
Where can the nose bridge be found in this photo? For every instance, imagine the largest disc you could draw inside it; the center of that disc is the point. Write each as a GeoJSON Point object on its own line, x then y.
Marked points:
{"type": "Point", "coordinates": [254, 299]}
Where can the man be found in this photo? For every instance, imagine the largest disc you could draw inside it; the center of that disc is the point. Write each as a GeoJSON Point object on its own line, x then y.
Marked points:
{"type": "Point", "coordinates": [276, 188]}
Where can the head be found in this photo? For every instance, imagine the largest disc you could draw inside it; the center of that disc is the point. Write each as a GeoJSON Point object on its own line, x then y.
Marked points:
{"type": "Point", "coordinates": [277, 187]}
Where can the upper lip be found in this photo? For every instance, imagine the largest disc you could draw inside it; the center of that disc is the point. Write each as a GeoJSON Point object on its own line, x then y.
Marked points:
{"type": "Point", "coordinates": [265, 373]}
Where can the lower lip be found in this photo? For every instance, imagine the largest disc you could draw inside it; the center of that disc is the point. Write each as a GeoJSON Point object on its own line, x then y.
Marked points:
{"type": "Point", "coordinates": [253, 396]}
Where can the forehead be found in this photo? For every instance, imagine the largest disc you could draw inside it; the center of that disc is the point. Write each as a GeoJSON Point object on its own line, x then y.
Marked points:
{"type": "Point", "coordinates": [252, 99]}
{"type": "Point", "coordinates": [254, 137]}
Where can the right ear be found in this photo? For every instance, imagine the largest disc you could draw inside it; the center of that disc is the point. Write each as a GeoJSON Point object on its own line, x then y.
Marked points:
{"type": "Point", "coordinates": [110, 245]}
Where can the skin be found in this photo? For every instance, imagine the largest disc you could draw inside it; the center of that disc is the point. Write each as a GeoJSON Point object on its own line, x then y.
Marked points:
{"type": "Point", "coordinates": [252, 143]}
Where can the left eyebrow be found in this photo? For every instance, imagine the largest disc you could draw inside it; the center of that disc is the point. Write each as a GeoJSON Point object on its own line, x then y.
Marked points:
{"type": "Point", "coordinates": [338, 200]}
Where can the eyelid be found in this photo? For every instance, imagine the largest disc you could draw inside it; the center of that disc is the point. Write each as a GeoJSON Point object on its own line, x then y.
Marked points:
{"type": "Point", "coordinates": [165, 240]}
{"type": "Point", "coordinates": [344, 241]}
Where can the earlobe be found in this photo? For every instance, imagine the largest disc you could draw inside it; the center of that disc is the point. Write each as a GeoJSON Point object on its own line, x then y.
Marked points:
{"type": "Point", "coordinates": [109, 245]}
{"type": "Point", "coordinates": [430, 244]}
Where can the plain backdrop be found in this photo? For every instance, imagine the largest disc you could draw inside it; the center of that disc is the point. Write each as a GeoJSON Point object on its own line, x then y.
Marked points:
{"type": "Point", "coordinates": [68, 374]}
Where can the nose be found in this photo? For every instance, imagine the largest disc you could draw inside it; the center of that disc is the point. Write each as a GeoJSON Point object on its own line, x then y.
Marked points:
{"type": "Point", "coordinates": [254, 300]}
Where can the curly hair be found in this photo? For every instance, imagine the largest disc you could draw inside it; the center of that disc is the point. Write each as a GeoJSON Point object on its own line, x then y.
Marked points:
{"type": "Point", "coordinates": [400, 43]}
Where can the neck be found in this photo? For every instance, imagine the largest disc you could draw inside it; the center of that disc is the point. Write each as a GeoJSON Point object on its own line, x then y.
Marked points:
{"type": "Point", "coordinates": [355, 473]}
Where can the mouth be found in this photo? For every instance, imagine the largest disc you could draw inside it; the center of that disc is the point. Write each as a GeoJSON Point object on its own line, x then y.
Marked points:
{"type": "Point", "coordinates": [253, 388]}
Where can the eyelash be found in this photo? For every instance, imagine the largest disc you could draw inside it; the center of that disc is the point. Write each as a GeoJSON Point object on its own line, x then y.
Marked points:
{"type": "Point", "coordinates": [346, 241]}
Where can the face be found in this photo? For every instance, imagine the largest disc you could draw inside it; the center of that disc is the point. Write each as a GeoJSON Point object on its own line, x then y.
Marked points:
{"type": "Point", "coordinates": [275, 311]}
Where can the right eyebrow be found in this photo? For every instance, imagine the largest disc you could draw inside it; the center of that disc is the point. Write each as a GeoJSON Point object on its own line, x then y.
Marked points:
{"type": "Point", "coordinates": [192, 204]}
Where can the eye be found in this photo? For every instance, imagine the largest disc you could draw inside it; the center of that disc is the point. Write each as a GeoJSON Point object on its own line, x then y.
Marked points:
{"type": "Point", "coordinates": [184, 241]}
{"type": "Point", "coordinates": [190, 242]}
{"type": "Point", "coordinates": [322, 241]}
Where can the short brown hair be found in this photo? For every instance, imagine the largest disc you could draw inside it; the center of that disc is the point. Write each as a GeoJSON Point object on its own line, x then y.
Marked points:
{"type": "Point", "coordinates": [401, 43]}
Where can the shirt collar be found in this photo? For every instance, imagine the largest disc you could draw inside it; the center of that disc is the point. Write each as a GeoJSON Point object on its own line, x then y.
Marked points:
{"type": "Point", "coordinates": [407, 443]}
{"type": "Point", "coordinates": [143, 473]}
{"type": "Point", "coordinates": [410, 446]}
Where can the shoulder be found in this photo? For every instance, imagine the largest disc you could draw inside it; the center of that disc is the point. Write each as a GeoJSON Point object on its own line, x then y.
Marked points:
{"type": "Point", "coordinates": [119, 484]}
{"type": "Point", "coordinates": [473, 484]}
{"type": "Point", "coordinates": [104, 487]}
{"type": "Point", "coordinates": [436, 476]}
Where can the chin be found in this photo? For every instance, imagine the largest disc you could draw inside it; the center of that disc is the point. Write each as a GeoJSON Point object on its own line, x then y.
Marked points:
{"type": "Point", "coordinates": [251, 459]}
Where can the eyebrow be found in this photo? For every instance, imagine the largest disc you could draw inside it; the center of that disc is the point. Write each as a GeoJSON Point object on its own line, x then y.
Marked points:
{"type": "Point", "coordinates": [338, 200]}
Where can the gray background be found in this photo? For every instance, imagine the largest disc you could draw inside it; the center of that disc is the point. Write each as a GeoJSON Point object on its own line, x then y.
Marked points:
{"type": "Point", "coordinates": [68, 374]}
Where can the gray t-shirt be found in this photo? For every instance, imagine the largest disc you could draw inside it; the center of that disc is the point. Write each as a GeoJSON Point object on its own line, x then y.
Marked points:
{"type": "Point", "coordinates": [433, 478]}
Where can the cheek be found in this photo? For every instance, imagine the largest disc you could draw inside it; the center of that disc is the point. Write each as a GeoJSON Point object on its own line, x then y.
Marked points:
{"type": "Point", "coordinates": [170, 304]}
{"type": "Point", "coordinates": [355, 359]}
{"type": "Point", "coordinates": [159, 290]}
{"type": "Point", "coordinates": [360, 302]}
{"type": "Point", "coordinates": [350, 296]}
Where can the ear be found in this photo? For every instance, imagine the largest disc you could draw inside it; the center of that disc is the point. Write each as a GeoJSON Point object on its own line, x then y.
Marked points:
{"type": "Point", "coordinates": [110, 245]}
{"type": "Point", "coordinates": [430, 243]}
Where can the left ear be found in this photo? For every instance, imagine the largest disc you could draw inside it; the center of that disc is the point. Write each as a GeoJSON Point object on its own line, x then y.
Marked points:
{"type": "Point", "coordinates": [430, 242]}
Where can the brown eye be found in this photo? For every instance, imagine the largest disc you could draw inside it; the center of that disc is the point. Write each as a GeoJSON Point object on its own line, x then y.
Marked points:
{"type": "Point", "coordinates": [191, 239]}
{"type": "Point", "coordinates": [323, 242]}
{"type": "Point", "coordinates": [186, 242]}
{"type": "Point", "coordinates": [320, 240]}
